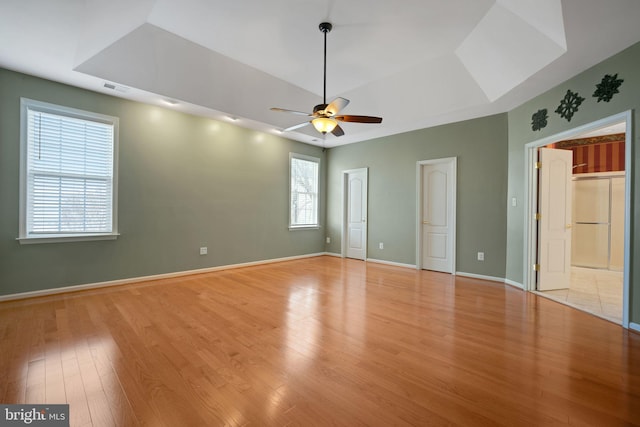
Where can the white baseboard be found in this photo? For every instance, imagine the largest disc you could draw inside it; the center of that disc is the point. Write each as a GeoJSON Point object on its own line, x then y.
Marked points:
{"type": "Point", "coordinates": [480, 276]}
{"type": "Point", "coordinates": [376, 261]}
{"type": "Point", "coordinates": [634, 326]}
{"type": "Point", "coordinates": [396, 264]}
{"type": "Point", "coordinates": [75, 288]}
{"type": "Point", "coordinates": [333, 254]}
{"type": "Point", "coordinates": [514, 284]}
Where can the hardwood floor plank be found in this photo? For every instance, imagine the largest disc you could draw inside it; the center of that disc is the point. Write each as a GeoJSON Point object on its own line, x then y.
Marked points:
{"type": "Point", "coordinates": [114, 396]}
{"type": "Point", "coordinates": [319, 341]}
{"type": "Point", "coordinates": [76, 397]}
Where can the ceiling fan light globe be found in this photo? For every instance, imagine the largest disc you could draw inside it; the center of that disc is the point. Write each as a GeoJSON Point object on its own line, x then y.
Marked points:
{"type": "Point", "coordinates": [324, 124]}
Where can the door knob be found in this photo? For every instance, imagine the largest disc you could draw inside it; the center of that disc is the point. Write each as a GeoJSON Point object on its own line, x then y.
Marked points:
{"type": "Point", "coordinates": [569, 225]}
{"type": "Point", "coordinates": [426, 222]}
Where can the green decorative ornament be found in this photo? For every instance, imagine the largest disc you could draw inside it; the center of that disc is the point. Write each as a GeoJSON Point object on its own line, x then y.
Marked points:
{"type": "Point", "coordinates": [539, 119]}
{"type": "Point", "coordinates": [569, 105]}
{"type": "Point", "coordinates": [607, 87]}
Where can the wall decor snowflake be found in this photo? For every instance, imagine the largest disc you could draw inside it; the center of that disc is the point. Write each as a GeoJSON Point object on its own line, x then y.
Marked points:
{"type": "Point", "coordinates": [539, 119]}
{"type": "Point", "coordinates": [607, 87]}
{"type": "Point", "coordinates": [569, 105]}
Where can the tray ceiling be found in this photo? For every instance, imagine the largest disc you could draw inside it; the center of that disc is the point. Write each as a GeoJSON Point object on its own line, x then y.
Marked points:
{"type": "Point", "coordinates": [417, 63]}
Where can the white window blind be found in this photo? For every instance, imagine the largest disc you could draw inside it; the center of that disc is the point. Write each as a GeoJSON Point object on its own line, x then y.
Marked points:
{"type": "Point", "coordinates": [69, 176]}
{"type": "Point", "coordinates": [304, 172]}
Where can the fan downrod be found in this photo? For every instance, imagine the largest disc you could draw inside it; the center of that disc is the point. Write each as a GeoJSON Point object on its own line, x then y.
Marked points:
{"type": "Point", "coordinates": [325, 27]}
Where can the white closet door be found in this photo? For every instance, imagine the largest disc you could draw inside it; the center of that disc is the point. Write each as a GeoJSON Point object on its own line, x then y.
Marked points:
{"type": "Point", "coordinates": [590, 245]}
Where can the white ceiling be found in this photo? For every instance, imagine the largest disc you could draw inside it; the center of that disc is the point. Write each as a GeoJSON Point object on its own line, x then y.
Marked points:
{"type": "Point", "coordinates": [416, 63]}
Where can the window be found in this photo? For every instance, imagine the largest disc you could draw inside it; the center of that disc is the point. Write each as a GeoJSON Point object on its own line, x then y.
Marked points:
{"type": "Point", "coordinates": [67, 174]}
{"type": "Point", "coordinates": [303, 191]}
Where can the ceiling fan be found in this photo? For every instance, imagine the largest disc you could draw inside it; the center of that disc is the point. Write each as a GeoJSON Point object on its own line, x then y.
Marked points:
{"type": "Point", "coordinates": [325, 116]}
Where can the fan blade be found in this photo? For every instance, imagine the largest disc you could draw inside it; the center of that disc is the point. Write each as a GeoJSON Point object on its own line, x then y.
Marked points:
{"type": "Point", "coordinates": [359, 119]}
{"type": "Point", "coordinates": [283, 110]}
{"type": "Point", "coordinates": [335, 106]}
{"type": "Point", "coordinates": [294, 127]}
{"type": "Point", "coordinates": [337, 131]}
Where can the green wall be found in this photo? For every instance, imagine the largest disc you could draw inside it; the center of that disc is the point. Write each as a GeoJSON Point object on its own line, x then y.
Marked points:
{"type": "Point", "coordinates": [187, 181]}
{"type": "Point", "coordinates": [184, 182]}
{"type": "Point", "coordinates": [627, 65]}
{"type": "Point", "coordinates": [480, 146]}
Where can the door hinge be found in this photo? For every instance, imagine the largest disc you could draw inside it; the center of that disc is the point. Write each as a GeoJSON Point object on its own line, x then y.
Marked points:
{"type": "Point", "coordinates": [536, 267]}
{"type": "Point", "coordinates": [538, 216]}
{"type": "Point", "coordinates": [538, 165]}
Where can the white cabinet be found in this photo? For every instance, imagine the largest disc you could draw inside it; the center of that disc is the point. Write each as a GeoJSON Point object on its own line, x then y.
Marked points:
{"type": "Point", "coordinates": [598, 221]}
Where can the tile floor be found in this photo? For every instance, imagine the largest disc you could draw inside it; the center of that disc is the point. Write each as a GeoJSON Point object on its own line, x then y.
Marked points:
{"type": "Point", "coordinates": [596, 291]}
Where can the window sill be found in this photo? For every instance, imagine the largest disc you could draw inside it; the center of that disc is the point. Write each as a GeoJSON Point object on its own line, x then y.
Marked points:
{"type": "Point", "coordinates": [51, 238]}
{"type": "Point", "coordinates": [303, 227]}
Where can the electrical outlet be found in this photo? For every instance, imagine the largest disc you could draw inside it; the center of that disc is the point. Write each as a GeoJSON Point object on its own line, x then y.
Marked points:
{"type": "Point", "coordinates": [480, 256]}
{"type": "Point", "coordinates": [381, 245]}
{"type": "Point", "coordinates": [328, 239]}
{"type": "Point", "coordinates": [514, 202]}
{"type": "Point", "coordinates": [203, 250]}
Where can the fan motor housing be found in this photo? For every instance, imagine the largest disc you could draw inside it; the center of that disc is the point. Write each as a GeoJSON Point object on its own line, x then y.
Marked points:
{"type": "Point", "coordinates": [319, 108]}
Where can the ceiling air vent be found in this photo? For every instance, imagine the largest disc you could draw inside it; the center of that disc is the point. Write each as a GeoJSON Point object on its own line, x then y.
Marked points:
{"type": "Point", "coordinates": [116, 87]}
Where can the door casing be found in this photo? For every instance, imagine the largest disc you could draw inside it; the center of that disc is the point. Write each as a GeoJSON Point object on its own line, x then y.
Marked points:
{"type": "Point", "coordinates": [530, 201]}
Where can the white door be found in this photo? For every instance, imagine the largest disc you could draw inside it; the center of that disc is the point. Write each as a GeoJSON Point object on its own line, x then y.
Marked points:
{"type": "Point", "coordinates": [438, 193]}
{"type": "Point", "coordinates": [356, 213]}
{"type": "Point", "coordinates": [554, 226]}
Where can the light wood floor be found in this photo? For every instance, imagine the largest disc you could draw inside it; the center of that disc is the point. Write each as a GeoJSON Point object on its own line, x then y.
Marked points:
{"type": "Point", "coordinates": [321, 341]}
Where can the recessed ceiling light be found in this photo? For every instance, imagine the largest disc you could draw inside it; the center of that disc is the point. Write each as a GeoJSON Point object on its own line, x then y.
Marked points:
{"type": "Point", "coordinates": [170, 101]}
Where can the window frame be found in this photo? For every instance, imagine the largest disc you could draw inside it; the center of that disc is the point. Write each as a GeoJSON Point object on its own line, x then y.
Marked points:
{"type": "Point", "coordinates": [316, 160]}
{"type": "Point", "coordinates": [24, 237]}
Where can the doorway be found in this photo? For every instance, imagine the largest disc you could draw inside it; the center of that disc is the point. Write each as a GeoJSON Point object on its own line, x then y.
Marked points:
{"type": "Point", "coordinates": [591, 221]}
{"type": "Point", "coordinates": [354, 223]}
{"type": "Point", "coordinates": [436, 215]}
